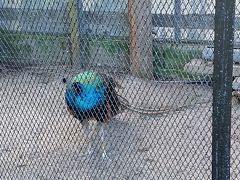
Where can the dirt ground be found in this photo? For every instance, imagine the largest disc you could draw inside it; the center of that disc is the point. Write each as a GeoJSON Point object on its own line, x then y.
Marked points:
{"type": "Point", "coordinates": [40, 140]}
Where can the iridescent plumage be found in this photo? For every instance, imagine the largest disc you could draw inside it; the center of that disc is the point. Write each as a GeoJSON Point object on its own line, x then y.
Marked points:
{"type": "Point", "coordinates": [91, 95]}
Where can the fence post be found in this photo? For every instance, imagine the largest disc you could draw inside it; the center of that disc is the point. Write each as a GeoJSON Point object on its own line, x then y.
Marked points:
{"type": "Point", "coordinates": [223, 67]}
{"type": "Point", "coordinates": [83, 38]}
{"type": "Point", "coordinates": [140, 35]}
{"type": "Point", "coordinates": [177, 20]}
{"type": "Point", "coordinates": [73, 30]}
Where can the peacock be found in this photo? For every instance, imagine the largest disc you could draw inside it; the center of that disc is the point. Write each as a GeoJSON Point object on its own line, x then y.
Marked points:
{"type": "Point", "coordinates": [91, 95]}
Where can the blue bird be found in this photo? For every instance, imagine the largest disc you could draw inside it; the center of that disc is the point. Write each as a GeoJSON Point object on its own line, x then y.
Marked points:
{"type": "Point", "coordinates": [92, 95]}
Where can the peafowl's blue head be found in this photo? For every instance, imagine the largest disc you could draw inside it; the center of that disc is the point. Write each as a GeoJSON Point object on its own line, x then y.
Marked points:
{"type": "Point", "coordinates": [85, 91]}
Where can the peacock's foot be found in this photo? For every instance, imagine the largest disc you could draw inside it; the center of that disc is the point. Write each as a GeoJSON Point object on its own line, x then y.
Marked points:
{"type": "Point", "coordinates": [90, 151]}
{"type": "Point", "coordinates": [87, 151]}
{"type": "Point", "coordinates": [105, 156]}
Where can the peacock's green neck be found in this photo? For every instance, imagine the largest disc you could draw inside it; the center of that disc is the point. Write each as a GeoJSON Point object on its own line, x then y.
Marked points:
{"type": "Point", "coordinates": [88, 78]}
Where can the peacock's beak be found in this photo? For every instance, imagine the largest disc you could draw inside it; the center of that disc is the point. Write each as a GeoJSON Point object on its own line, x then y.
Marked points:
{"type": "Point", "coordinates": [64, 80]}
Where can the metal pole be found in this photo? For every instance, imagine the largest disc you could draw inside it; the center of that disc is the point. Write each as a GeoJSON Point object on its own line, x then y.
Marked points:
{"type": "Point", "coordinates": [177, 20]}
{"type": "Point", "coordinates": [82, 24]}
{"type": "Point", "coordinates": [80, 15]}
{"type": "Point", "coordinates": [222, 88]}
{"type": "Point", "coordinates": [73, 30]}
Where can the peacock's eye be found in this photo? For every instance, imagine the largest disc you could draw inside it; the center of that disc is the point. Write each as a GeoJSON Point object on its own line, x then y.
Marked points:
{"type": "Point", "coordinates": [98, 86]}
{"type": "Point", "coordinates": [77, 88]}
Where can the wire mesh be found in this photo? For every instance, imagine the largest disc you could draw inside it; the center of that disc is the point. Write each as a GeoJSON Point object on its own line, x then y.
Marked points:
{"type": "Point", "coordinates": [159, 54]}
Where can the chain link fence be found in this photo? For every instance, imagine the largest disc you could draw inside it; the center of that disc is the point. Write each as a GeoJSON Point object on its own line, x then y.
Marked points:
{"type": "Point", "coordinates": [156, 107]}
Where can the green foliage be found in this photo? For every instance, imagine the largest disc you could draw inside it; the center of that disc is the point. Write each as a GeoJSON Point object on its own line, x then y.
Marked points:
{"type": "Point", "coordinates": [17, 45]}
{"type": "Point", "coordinates": [47, 43]}
{"type": "Point", "coordinates": [111, 47]}
{"type": "Point", "coordinates": [169, 62]}
{"type": "Point", "coordinates": [11, 45]}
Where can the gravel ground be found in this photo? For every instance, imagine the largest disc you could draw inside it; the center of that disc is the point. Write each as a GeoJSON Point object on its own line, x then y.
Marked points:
{"type": "Point", "coordinates": [40, 140]}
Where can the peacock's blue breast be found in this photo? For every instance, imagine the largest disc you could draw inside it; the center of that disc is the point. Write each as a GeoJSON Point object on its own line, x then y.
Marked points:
{"type": "Point", "coordinates": [89, 98]}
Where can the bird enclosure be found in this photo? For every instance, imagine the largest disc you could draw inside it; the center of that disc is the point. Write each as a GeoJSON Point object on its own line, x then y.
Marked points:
{"type": "Point", "coordinates": [172, 106]}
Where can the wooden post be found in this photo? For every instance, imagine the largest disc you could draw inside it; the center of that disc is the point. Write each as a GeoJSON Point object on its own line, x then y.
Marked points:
{"type": "Point", "coordinates": [73, 30]}
{"type": "Point", "coordinates": [140, 33]}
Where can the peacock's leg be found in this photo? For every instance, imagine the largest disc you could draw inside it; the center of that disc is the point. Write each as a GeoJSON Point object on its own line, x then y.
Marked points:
{"type": "Point", "coordinates": [104, 131]}
{"type": "Point", "coordinates": [101, 131]}
{"type": "Point", "coordinates": [87, 137]}
{"type": "Point", "coordinates": [103, 140]}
